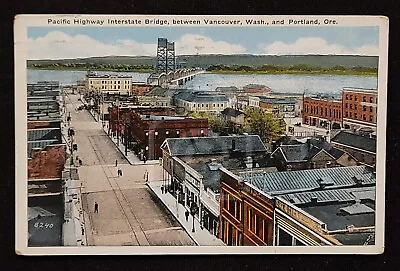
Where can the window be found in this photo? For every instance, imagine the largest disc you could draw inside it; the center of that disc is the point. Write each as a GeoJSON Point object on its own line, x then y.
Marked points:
{"type": "Point", "coordinates": [351, 106]}
{"type": "Point", "coordinates": [326, 111]}
{"type": "Point", "coordinates": [371, 100]}
{"type": "Point", "coordinates": [370, 109]}
{"type": "Point", "coordinates": [251, 219]}
{"type": "Point", "coordinates": [232, 205]}
{"type": "Point", "coordinates": [364, 99]}
{"type": "Point", "coordinates": [347, 97]}
{"type": "Point", "coordinates": [346, 105]}
{"type": "Point", "coordinates": [355, 115]}
{"type": "Point", "coordinates": [355, 107]}
{"type": "Point", "coordinates": [364, 117]}
{"type": "Point", "coordinates": [285, 239]}
{"type": "Point", "coordinates": [166, 132]}
{"type": "Point", "coordinates": [351, 115]}
{"type": "Point", "coordinates": [351, 97]}
{"type": "Point", "coordinates": [370, 118]}
{"type": "Point", "coordinates": [259, 226]}
{"type": "Point", "coordinates": [202, 105]}
{"type": "Point", "coordinates": [265, 230]}
{"type": "Point", "coordinates": [355, 97]}
{"type": "Point", "coordinates": [177, 132]}
{"type": "Point", "coordinates": [364, 108]}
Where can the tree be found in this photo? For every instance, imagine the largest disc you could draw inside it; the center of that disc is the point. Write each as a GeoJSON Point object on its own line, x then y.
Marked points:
{"type": "Point", "coordinates": [216, 123]}
{"type": "Point", "coordinates": [264, 124]}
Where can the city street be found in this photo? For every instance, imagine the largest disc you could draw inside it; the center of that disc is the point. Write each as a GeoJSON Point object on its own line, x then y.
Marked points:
{"type": "Point", "coordinates": [129, 213]}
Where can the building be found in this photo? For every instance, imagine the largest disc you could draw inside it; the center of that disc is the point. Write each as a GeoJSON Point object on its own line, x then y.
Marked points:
{"type": "Point", "coordinates": [246, 101]}
{"type": "Point", "coordinates": [148, 132]}
{"type": "Point", "coordinates": [140, 88]}
{"type": "Point", "coordinates": [279, 107]}
{"type": "Point", "coordinates": [197, 101]}
{"type": "Point", "coordinates": [191, 167]}
{"type": "Point", "coordinates": [256, 89]}
{"type": "Point", "coordinates": [46, 153]}
{"type": "Point", "coordinates": [234, 117]}
{"type": "Point", "coordinates": [325, 113]}
{"type": "Point", "coordinates": [109, 84]}
{"type": "Point", "coordinates": [316, 207]}
{"type": "Point", "coordinates": [314, 153]}
{"type": "Point", "coordinates": [362, 148]}
{"type": "Point", "coordinates": [154, 101]}
{"type": "Point", "coordinates": [246, 215]}
{"type": "Point", "coordinates": [359, 108]}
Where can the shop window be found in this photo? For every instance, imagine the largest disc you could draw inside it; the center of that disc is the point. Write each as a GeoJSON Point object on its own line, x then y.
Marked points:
{"type": "Point", "coordinates": [285, 239]}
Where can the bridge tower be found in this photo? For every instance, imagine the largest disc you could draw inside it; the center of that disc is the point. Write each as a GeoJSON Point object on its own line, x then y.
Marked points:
{"type": "Point", "coordinates": [165, 56]}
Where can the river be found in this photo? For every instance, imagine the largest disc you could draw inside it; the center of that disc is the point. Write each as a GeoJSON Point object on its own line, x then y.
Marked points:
{"type": "Point", "coordinates": [286, 83]}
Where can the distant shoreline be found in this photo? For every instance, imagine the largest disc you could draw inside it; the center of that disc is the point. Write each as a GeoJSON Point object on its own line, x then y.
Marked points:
{"type": "Point", "coordinates": [295, 72]}
{"type": "Point", "coordinates": [329, 72]}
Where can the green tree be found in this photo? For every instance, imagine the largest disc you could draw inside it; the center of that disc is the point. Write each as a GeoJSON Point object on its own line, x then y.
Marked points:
{"type": "Point", "coordinates": [264, 124]}
{"type": "Point", "coordinates": [216, 123]}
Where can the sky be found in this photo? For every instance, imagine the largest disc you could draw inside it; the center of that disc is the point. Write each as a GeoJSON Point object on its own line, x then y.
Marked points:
{"type": "Point", "coordinates": [73, 42]}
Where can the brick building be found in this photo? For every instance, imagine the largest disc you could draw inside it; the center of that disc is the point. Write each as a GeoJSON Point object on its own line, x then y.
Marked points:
{"type": "Point", "coordinates": [322, 112]}
{"type": "Point", "coordinates": [149, 131]}
{"type": "Point", "coordinates": [256, 89]}
{"type": "Point", "coordinates": [246, 215]}
{"type": "Point", "coordinates": [47, 163]}
{"type": "Point", "coordinates": [316, 207]}
{"type": "Point", "coordinates": [359, 108]}
{"type": "Point", "coordinates": [140, 89]}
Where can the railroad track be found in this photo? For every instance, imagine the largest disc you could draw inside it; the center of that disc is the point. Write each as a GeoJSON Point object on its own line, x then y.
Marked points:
{"type": "Point", "coordinates": [120, 196]}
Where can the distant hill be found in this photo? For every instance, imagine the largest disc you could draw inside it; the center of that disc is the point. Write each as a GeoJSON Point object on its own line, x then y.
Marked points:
{"type": "Point", "coordinates": [205, 61]}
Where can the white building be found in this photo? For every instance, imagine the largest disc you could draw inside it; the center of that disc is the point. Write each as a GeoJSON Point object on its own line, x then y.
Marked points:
{"type": "Point", "coordinates": [111, 84]}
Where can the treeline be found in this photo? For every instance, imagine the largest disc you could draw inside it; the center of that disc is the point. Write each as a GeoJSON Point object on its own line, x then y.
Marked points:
{"type": "Point", "coordinates": [300, 68]}
{"type": "Point", "coordinates": [87, 66]}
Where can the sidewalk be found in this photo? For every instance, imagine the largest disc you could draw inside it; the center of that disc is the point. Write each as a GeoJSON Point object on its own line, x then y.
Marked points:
{"type": "Point", "coordinates": [202, 237]}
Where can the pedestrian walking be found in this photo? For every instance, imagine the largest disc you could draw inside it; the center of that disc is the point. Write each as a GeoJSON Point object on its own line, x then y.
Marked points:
{"type": "Point", "coordinates": [187, 215]}
{"type": "Point", "coordinates": [144, 158]}
{"type": "Point", "coordinates": [116, 162]}
{"type": "Point", "coordinates": [83, 231]}
{"type": "Point", "coordinates": [96, 207]}
{"type": "Point", "coordinates": [80, 162]}
{"type": "Point", "coordinates": [162, 189]}
{"type": "Point", "coordinates": [120, 172]}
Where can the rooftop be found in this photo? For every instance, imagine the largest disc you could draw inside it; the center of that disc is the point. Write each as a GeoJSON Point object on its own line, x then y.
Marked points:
{"type": "Point", "coordinates": [198, 96]}
{"type": "Point", "coordinates": [360, 89]}
{"type": "Point", "coordinates": [355, 141]}
{"type": "Point", "coordinates": [210, 171]}
{"type": "Point", "coordinates": [213, 145]}
{"type": "Point", "coordinates": [153, 117]}
{"type": "Point", "coordinates": [46, 133]}
{"type": "Point", "coordinates": [232, 112]}
{"type": "Point", "coordinates": [278, 100]}
{"type": "Point", "coordinates": [305, 151]}
{"type": "Point", "coordinates": [286, 182]}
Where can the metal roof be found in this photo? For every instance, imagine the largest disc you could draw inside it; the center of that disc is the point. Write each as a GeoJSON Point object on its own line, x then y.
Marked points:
{"type": "Point", "coordinates": [303, 180]}
{"type": "Point", "coordinates": [40, 144]}
{"type": "Point", "coordinates": [34, 212]}
{"type": "Point", "coordinates": [357, 209]}
{"type": "Point", "coordinates": [214, 145]}
{"type": "Point", "coordinates": [334, 195]}
{"type": "Point", "coordinates": [355, 141]}
{"type": "Point", "coordinates": [44, 134]}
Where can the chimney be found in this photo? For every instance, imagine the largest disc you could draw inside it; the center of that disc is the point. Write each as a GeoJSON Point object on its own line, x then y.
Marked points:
{"type": "Point", "coordinates": [308, 143]}
{"type": "Point", "coordinates": [233, 144]}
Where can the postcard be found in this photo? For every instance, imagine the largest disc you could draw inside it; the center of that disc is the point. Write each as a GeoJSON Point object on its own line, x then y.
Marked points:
{"type": "Point", "coordinates": [178, 134]}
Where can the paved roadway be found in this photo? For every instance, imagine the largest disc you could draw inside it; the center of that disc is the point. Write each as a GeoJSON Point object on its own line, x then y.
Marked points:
{"type": "Point", "coordinates": [129, 213]}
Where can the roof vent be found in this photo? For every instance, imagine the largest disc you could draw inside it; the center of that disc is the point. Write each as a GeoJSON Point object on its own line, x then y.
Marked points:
{"type": "Point", "coordinates": [314, 199]}
{"type": "Point", "coordinates": [358, 179]}
{"type": "Point", "coordinates": [325, 181]}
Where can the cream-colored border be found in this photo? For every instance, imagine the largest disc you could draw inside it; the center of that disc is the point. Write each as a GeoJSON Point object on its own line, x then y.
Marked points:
{"type": "Point", "coordinates": [22, 22]}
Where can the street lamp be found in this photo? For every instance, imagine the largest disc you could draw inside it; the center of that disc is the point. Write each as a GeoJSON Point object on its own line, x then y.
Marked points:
{"type": "Point", "coordinates": [193, 209]}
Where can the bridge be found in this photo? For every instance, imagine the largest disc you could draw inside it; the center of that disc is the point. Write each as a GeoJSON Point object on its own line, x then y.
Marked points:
{"type": "Point", "coordinates": [166, 72]}
{"type": "Point", "coordinates": [177, 77]}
